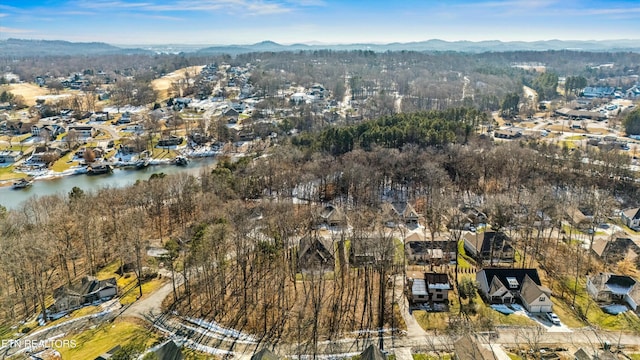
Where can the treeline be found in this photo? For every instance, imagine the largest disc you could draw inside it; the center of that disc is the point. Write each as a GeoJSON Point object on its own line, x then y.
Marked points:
{"type": "Point", "coordinates": [423, 129]}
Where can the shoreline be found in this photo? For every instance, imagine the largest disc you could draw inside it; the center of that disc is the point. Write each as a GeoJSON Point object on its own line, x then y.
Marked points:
{"type": "Point", "coordinates": [49, 174]}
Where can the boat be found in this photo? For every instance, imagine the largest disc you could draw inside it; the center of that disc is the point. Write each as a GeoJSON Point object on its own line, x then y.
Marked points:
{"type": "Point", "coordinates": [142, 163]}
{"type": "Point", "coordinates": [99, 169]}
{"type": "Point", "coordinates": [181, 161]}
{"type": "Point", "coordinates": [22, 183]}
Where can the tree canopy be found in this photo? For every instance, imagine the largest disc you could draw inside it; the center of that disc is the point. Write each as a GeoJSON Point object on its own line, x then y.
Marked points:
{"type": "Point", "coordinates": [632, 123]}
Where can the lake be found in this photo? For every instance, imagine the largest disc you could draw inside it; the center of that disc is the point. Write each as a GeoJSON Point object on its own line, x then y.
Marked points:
{"type": "Point", "coordinates": [12, 198]}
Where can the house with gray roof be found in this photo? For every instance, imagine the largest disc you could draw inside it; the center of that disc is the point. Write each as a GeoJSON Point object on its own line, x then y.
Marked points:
{"type": "Point", "coordinates": [611, 289]}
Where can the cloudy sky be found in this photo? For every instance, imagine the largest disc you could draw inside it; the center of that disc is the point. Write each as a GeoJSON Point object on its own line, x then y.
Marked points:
{"type": "Point", "coordinates": [123, 22]}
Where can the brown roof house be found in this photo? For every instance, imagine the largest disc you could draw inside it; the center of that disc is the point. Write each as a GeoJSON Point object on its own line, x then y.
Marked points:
{"type": "Point", "coordinates": [489, 247]}
{"type": "Point", "coordinates": [612, 251]}
{"type": "Point", "coordinates": [470, 347]}
{"type": "Point", "coordinates": [393, 213]}
{"type": "Point", "coordinates": [89, 291]}
{"type": "Point", "coordinates": [316, 254]}
{"type": "Point", "coordinates": [421, 251]}
{"type": "Point", "coordinates": [610, 289]}
{"type": "Point", "coordinates": [631, 218]}
{"type": "Point", "coordinates": [332, 216]}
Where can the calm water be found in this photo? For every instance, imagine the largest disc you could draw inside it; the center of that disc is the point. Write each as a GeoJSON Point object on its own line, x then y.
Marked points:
{"type": "Point", "coordinates": [11, 198]}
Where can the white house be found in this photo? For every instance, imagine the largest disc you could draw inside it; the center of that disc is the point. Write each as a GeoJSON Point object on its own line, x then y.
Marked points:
{"type": "Point", "coordinates": [631, 217]}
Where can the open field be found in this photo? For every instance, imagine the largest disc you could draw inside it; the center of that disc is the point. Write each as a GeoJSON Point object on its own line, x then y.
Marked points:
{"type": "Point", "coordinates": [30, 92]}
{"type": "Point", "coordinates": [163, 84]}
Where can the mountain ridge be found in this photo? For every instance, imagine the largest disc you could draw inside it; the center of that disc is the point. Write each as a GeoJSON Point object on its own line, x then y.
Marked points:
{"type": "Point", "coordinates": [24, 47]}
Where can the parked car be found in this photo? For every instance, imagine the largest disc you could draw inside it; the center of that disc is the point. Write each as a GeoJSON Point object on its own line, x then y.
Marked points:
{"type": "Point", "coordinates": [555, 320]}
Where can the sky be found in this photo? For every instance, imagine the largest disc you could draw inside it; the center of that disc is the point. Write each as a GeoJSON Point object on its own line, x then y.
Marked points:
{"type": "Point", "coordinates": [209, 22]}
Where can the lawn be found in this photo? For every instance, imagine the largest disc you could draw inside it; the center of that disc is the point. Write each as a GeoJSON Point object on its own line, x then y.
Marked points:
{"type": "Point", "coordinates": [148, 287]}
{"type": "Point", "coordinates": [430, 357]}
{"type": "Point", "coordinates": [7, 173]}
{"type": "Point", "coordinates": [464, 261]}
{"type": "Point", "coordinates": [575, 137]}
{"type": "Point", "coordinates": [584, 304]}
{"type": "Point", "coordinates": [64, 163]}
{"type": "Point", "coordinates": [91, 343]}
{"type": "Point", "coordinates": [432, 320]}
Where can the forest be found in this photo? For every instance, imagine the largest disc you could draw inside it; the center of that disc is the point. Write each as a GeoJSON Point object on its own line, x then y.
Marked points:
{"type": "Point", "coordinates": [234, 231]}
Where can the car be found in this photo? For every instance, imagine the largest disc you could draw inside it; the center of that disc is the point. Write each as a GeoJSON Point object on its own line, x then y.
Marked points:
{"type": "Point", "coordinates": [555, 320]}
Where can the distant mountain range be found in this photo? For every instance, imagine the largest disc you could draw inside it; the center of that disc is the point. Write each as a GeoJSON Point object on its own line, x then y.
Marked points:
{"type": "Point", "coordinates": [438, 45]}
{"type": "Point", "coordinates": [18, 47]}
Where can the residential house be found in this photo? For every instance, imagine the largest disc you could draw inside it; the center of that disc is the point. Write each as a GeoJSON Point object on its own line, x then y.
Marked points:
{"type": "Point", "coordinates": [316, 253]}
{"type": "Point", "coordinates": [580, 115]}
{"type": "Point", "coordinates": [613, 251]}
{"type": "Point", "coordinates": [88, 291]}
{"type": "Point", "coordinates": [508, 285]}
{"type": "Point", "coordinates": [125, 118]}
{"type": "Point", "coordinates": [470, 347]}
{"type": "Point", "coordinates": [421, 251]}
{"type": "Point", "coordinates": [631, 218]}
{"type": "Point", "coordinates": [318, 91]}
{"type": "Point", "coordinates": [438, 286]}
{"type": "Point", "coordinates": [489, 247]}
{"type": "Point", "coordinates": [52, 131]}
{"type": "Point", "coordinates": [598, 91]}
{"type": "Point", "coordinates": [332, 216]}
{"type": "Point", "coordinates": [633, 92]}
{"type": "Point", "coordinates": [101, 116]}
{"type": "Point", "coordinates": [44, 155]}
{"type": "Point", "coordinates": [170, 141]}
{"type": "Point", "coordinates": [608, 289]}
{"type": "Point", "coordinates": [231, 116]}
{"type": "Point", "coordinates": [9, 156]}
{"type": "Point", "coordinates": [299, 98]}
{"type": "Point", "coordinates": [511, 133]}
{"type": "Point", "coordinates": [403, 212]}
{"type": "Point", "coordinates": [83, 131]}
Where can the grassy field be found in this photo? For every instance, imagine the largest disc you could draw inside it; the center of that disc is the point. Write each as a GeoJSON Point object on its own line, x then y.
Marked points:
{"type": "Point", "coordinates": [96, 341]}
{"type": "Point", "coordinates": [163, 84]}
{"type": "Point", "coordinates": [28, 91]}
